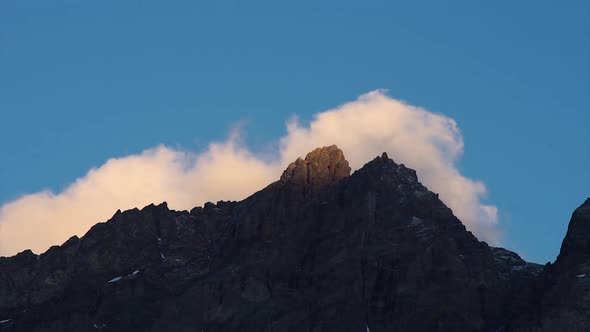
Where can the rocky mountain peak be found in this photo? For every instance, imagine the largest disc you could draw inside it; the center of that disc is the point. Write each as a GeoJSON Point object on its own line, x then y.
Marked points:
{"type": "Point", "coordinates": [567, 287]}
{"type": "Point", "coordinates": [378, 251]}
{"type": "Point", "coordinates": [321, 166]}
{"type": "Point", "coordinates": [575, 248]}
{"type": "Point", "coordinates": [387, 170]}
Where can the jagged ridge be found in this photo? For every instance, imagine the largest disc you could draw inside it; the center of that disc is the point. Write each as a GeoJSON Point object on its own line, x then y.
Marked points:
{"type": "Point", "coordinates": [318, 250]}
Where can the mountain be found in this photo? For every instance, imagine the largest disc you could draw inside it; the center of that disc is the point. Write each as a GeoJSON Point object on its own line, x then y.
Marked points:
{"type": "Point", "coordinates": [318, 250]}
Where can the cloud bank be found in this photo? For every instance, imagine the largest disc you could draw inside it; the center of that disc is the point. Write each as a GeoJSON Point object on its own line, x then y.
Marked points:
{"type": "Point", "coordinates": [428, 142]}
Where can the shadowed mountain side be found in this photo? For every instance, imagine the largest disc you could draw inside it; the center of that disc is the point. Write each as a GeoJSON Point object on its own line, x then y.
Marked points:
{"type": "Point", "coordinates": [318, 250]}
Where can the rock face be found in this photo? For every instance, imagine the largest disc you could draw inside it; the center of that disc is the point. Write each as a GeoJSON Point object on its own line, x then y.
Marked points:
{"type": "Point", "coordinates": [320, 167]}
{"type": "Point", "coordinates": [566, 300]}
{"type": "Point", "coordinates": [318, 250]}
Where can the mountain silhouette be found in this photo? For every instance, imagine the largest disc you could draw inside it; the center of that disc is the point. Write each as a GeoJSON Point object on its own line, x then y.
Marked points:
{"type": "Point", "coordinates": [318, 250]}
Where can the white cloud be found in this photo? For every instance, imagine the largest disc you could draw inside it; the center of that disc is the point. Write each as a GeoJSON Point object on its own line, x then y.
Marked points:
{"type": "Point", "coordinates": [428, 142]}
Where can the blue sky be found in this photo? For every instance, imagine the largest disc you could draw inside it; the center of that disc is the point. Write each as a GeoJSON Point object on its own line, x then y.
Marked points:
{"type": "Point", "coordinates": [81, 82]}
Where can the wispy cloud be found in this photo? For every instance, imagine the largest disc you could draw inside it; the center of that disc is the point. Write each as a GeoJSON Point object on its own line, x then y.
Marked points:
{"type": "Point", "coordinates": [428, 142]}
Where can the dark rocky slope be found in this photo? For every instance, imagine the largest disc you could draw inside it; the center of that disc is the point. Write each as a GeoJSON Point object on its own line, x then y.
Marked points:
{"type": "Point", "coordinates": [318, 250]}
{"type": "Point", "coordinates": [566, 296]}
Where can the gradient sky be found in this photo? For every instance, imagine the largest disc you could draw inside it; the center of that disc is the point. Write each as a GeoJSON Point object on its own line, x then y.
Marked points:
{"type": "Point", "coordinates": [84, 81]}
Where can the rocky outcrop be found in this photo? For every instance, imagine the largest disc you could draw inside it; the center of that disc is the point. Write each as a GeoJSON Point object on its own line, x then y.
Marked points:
{"type": "Point", "coordinates": [318, 250]}
{"type": "Point", "coordinates": [320, 167]}
{"type": "Point", "coordinates": [566, 296]}
{"type": "Point", "coordinates": [575, 249]}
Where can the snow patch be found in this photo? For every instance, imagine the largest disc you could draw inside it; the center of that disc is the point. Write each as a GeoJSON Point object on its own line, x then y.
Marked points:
{"type": "Point", "coordinates": [425, 231]}
{"type": "Point", "coordinates": [5, 321]}
{"type": "Point", "coordinates": [580, 275]}
{"type": "Point", "coordinates": [136, 272]}
{"type": "Point", "coordinates": [162, 255]}
{"type": "Point", "coordinates": [115, 279]}
{"type": "Point", "coordinates": [367, 327]}
{"type": "Point", "coordinates": [99, 326]}
{"type": "Point", "coordinates": [416, 221]}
